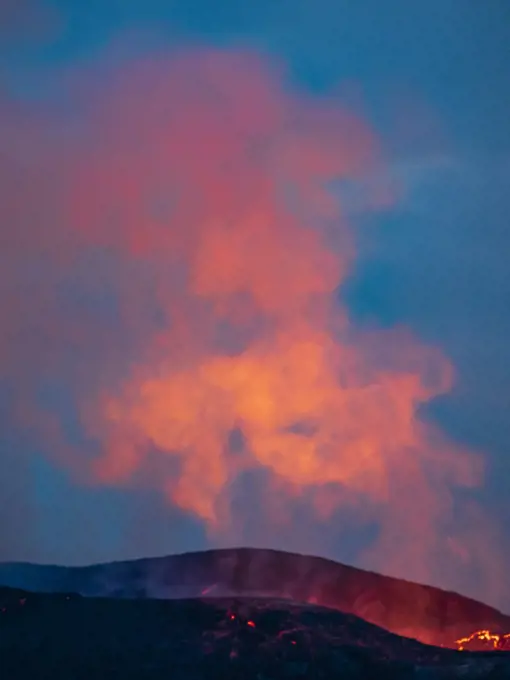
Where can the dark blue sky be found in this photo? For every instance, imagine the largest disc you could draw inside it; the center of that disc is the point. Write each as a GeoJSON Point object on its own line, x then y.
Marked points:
{"type": "Point", "coordinates": [433, 80]}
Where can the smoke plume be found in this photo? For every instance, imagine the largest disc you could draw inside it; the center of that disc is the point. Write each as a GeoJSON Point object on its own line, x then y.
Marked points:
{"type": "Point", "coordinates": [173, 256]}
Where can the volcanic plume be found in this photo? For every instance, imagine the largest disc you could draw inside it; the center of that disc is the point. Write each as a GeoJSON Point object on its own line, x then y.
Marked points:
{"type": "Point", "coordinates": [196, 198]}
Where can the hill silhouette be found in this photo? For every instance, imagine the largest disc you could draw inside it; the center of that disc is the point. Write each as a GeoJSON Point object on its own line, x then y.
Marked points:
{"type": "Point", "coordinates": [62, 636]}
{"type": "Point", "coordinates": [428, 614]}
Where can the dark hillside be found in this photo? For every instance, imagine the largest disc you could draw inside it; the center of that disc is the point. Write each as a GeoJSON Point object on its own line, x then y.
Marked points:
{"type": "Point", "coordinates": [68, 637]}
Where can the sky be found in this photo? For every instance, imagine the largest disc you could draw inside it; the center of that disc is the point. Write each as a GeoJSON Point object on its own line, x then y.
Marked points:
{"type": "Point", "coordinates": [254, 284]}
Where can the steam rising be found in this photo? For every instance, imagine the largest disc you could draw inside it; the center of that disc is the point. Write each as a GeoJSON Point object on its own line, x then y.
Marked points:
{"type": "Point", "coordinates": [180, 248]}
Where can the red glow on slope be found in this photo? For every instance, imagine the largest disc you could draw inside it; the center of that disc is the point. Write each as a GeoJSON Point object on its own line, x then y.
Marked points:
{"type": "Point", "coordinates": [484, 639]}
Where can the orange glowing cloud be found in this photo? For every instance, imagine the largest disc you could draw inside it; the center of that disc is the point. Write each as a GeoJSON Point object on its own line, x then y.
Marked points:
{"type": "Point", "coordinates": [212, 189]}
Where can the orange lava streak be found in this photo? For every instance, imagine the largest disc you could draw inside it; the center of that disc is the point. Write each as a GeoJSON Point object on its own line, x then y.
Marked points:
{"type": "Point", "coordinates": [497, 641]}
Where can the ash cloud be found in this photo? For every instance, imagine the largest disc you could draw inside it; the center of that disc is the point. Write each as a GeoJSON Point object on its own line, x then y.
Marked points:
{"type": "Point", "coordinates": [172, 252]}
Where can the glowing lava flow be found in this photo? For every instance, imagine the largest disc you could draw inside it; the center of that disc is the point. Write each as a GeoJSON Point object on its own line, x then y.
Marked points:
{"type": "Point", "coordinates": [484, 639]}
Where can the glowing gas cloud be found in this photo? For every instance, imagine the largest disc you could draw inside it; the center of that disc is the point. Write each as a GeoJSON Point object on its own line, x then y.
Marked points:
{"type": "Point", "coordinates": [198, 205]}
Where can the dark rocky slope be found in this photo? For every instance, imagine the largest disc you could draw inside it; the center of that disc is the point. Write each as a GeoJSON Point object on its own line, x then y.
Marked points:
{"type": "Point", "coordinates": [431, 615]}
{"type": "Point", "coordinates": [61, 636]}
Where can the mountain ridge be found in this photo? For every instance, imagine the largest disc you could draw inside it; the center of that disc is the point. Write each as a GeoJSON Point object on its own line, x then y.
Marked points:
{"type": "Point", "coordinates": [426, 613]}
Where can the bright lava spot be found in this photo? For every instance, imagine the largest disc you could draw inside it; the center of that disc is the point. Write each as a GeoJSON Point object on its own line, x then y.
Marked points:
{"type": "Point", "coordinates": [484, 638]}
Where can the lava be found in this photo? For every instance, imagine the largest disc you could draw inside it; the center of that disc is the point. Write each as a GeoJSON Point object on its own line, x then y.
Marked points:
{"type": "Point", "coordinates": [415, 611]}
{"type": "Point", "coordinates": [209, 638]}
{"type": "Point", "coordinates": [483, 639]}
{"type": "Point", "coordinates": [480, 640]}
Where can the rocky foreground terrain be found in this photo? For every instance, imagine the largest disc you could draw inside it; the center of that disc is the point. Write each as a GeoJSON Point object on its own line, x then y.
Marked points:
{"type": "Point", "coordinates": [428, 614]}
{"type": "Point", "coordinates": [63, 636]}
